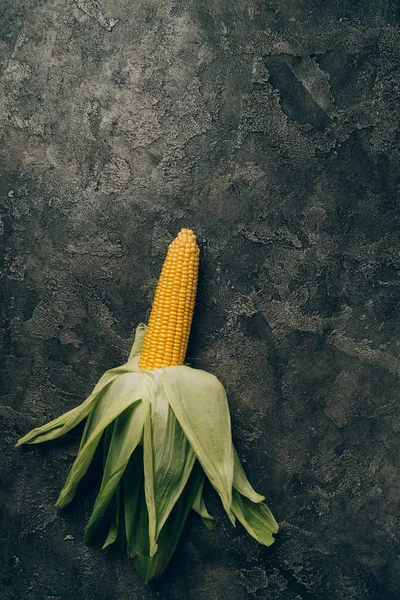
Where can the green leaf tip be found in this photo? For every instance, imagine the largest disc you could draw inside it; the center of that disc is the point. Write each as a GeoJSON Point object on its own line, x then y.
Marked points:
{"type": "Point", "coordinates": [162, 432]}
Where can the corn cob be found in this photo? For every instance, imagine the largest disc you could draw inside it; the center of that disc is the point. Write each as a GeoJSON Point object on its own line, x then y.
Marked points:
{"type": "Point", "coordinates": [163, 433]}
{"type": "Point", "coordinates": [167, 335]}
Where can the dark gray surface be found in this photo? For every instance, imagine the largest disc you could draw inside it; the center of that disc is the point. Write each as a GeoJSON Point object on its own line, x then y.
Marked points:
{"type": "Point", "coordinates": [271, 129]}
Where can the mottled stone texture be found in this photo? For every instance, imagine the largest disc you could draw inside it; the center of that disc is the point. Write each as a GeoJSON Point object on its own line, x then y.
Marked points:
{"type": "Point", "coordinates": [272, 129]}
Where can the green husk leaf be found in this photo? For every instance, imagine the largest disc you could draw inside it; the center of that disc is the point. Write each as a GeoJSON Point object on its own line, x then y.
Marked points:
{"type": "Point", "coordinates": [108, 409]}
{"type": "Point", "coordinates": [148, 463]}
{"type": "Point", "coordinates": [126, 435]}
{"type": "Point", "coordinates": [256, 518]}
{"type": "Point", "coordinates": [112, 536]}
{"type": "Point", "coordinates": [114, 511]}
{"type": "Point", "coordinates": [113, 531]}
{"type": "Point", "coordinates": [199, 506]}
{"type": "Point", "coordinates": [121, 534]}
{"type": "Point", "coordinates": [125, 383]}
{"type": "Point", "coordinates": [68, 420]}
{"type": "Point", "coordinates": [199, 402]}
{"type": "Point", "coordinates": [73, 417]}
{"type": "Point", "coordinates": [153, 567]}
{"type": "Point", "coordinates": [241, 483]}
{"type": "Point", "coordinates": [106, 442]}
{"type": "Point", "coordinates": [135, 508]}
{"type": "Point", "coordinates": [138, 342]}
{"type": "Point", "coordinates": [117, 528]}
{"type": "Point", "coordinates": [173, 457]}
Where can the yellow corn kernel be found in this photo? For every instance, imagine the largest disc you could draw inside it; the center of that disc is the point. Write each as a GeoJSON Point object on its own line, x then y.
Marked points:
{"type": "Point", "coordinates": [167, 334]}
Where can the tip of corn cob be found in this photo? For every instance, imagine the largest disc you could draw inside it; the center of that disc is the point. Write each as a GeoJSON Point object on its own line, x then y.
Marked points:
{"type": "Point", "coordinates": [185, 237]}
{"type": "Point", "coordinates": [167, 335]}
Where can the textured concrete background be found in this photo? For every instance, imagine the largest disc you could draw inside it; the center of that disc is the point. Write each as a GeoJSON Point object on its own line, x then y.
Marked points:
{"type": "Point", "coordinates": [272, 129]}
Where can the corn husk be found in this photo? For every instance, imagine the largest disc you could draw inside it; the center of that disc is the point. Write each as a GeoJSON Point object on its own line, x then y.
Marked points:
{"type": "Point", "coordinates": [162, 432]}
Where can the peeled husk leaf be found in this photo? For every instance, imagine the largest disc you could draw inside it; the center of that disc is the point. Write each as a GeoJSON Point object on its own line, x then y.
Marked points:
{"type": "Point", "coordinates": [162, 432]}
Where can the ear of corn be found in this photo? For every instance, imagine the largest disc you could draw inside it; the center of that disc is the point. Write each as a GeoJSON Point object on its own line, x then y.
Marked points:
{"type": "Point", "coordinates": [164, 427]}
{"type": "Point", "coordinates": [168, 331]}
